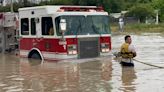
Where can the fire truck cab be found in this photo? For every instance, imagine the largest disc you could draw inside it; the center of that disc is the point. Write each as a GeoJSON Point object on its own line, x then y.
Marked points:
{"type": "Point", "coordinates": [64, 32]}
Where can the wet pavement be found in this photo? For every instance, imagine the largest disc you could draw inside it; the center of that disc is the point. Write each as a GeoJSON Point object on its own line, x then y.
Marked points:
{"type": "Point", "coordinates": [99, 75]}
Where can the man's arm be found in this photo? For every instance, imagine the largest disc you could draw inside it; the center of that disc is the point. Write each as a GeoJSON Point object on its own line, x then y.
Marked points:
{"type": "Point", "coordinates": [132, 49]}
{"type": "Point", "coordinates": [134, 54]}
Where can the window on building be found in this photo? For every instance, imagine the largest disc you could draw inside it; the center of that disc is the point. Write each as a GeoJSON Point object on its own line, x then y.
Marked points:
{"type": "Point", "coordinates": [47, 26]}
{"type": "Point", "coordinates": [33, 26]}
{"type": "Point", "coordinates": [25, 26]}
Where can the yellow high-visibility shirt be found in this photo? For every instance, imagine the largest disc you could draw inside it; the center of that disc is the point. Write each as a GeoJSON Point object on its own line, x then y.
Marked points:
{"type": "Point", "coordinates": [125, 53]}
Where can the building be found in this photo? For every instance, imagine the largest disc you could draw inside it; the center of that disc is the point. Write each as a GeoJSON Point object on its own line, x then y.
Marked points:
{"type": "Point", "coordinates": [7, 2]}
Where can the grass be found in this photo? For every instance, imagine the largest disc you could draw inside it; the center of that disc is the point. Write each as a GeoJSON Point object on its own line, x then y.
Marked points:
{"type": "Point", "coordinates": [138, 28]}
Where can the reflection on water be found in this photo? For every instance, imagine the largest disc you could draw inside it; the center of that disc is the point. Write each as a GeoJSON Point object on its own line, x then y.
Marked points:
{"type": "Point", "coordinates": [23, 75]}
{"type": "Point", "coordinates": [95, 76]}
{"type": "Point", "coordinates": [68, 76]}
{"type": "Point", "coordinates": [106, 70]}
{"type": "Point", "coordinates": [98, 75]}
{"type": "Point", "coordinates": [34, 62]}
{"type": "Point", "coordinates": [9, 74]}
{"type": "Point", "coordinates": [50, 76]}
{"type": "Point", "coordinates": [142, 78]}
{"type": "Point", "coordinates": [128, 79]}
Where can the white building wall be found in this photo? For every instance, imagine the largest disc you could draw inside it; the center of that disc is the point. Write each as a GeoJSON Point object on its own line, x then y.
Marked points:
{"type": "Point", "coordinates": [6, 2]}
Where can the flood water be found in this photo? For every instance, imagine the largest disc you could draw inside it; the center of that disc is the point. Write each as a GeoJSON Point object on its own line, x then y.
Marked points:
{"type": "Point", "coordinates": [98, 75]}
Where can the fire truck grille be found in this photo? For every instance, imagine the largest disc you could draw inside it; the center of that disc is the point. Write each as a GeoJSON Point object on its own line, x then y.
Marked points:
{"type": "Point", "coordinates": [88, 47]}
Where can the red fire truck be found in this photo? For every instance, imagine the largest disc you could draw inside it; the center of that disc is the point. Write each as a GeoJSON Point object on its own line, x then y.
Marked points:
{"type": "Point", "coordinates": [64, 32]}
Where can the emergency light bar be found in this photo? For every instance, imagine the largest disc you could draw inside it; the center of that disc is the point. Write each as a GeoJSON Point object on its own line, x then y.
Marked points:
{"type": "Point", "coordinates": [82, 8]}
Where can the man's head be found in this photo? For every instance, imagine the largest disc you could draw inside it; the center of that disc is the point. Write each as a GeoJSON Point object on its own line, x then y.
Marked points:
{"type": "Point", "coordinates": [128, 39]}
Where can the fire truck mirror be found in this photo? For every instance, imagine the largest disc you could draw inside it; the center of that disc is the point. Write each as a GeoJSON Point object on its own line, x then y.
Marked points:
{"type": "Point", "coordinates": [63, 25]}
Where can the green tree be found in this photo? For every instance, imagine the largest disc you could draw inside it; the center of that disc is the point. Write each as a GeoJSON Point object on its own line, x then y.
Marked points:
{"type": "Point", "coordinates": [131, 3]}
{"type": "Point", "coordinates": [141, 11]}
{"type": "Point", "coordinates": [88, 2]}
{"type": "Point", "coordinates": [159, 5]}
{"type": "Point", "coordinates": [4, 9]}
{"type": "Point", "coordinates": [109, 5]}
{"type": "Point", "coordinates": [116, 5]}
{"type": "Point", "coordinates": [144, 1]}
{"type": "Point", "coordinates": [56, 2]}
{"type": "Point", "coordinates": [106, 4]}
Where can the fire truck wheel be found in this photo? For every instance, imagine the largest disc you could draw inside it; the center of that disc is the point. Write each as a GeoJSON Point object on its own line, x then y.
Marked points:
{"type": "Point", "coordinates": [35, 55]}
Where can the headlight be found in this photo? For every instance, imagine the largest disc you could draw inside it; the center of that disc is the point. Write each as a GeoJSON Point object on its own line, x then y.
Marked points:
{"type": "Point", "coordinates": [105, 47]}
{"type": "Point", "coordinates": [72, 49]}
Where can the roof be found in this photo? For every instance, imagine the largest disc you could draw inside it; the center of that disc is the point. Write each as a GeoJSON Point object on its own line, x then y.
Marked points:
{"type": "Point", "coordinates": [53, 9]}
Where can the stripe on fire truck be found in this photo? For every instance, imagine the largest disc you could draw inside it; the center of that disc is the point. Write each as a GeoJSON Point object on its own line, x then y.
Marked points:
{"type": "Point", "coordinates": [49, 55]}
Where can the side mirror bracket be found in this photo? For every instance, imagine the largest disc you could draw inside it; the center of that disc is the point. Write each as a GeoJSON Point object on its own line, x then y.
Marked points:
{"type": "Point", "coordinates": [63, 27]}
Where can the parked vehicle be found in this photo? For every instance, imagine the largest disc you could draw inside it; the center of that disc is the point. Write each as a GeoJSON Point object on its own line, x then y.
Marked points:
{"type": "Point", "coordinates": [8, 32]}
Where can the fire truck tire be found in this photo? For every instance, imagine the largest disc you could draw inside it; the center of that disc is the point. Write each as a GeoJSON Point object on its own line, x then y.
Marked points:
{"type": "Point", "coordinates": [35, 55]}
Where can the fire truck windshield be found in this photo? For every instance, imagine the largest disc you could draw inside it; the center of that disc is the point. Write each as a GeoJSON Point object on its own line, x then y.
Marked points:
{"type": "Point", "coordinates": [84, 25]}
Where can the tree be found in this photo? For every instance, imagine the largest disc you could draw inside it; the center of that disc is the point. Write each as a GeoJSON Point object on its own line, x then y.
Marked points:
{"type": "Point", "coordinates": [56, 2]}
{"type": "Point", "coordinates": [4, 9]}
{"type": "Point", "coordinates": [159, 5]}
{"type": "Point", "coordinates": [141, 12]}
{"type": "Point", "coordinates": [115, 6]}
{"type": "Point", "coordinates": [144, 1]}
{"type": "Point", "coordinates": [108, 5]}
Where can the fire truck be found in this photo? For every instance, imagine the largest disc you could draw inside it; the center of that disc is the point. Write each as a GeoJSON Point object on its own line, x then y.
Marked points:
{"type": "Point", "coordinates": [64, 32]}
{"type": "Point", "coordinates": [8, 32]}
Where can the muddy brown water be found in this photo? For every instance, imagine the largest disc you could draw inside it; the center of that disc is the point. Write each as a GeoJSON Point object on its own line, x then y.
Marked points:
{"type": "Point", "coordinates": [98, 75]}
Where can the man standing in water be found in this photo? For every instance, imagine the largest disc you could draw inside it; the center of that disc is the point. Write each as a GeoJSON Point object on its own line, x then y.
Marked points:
{"type": "Point", "coordinates": [121, 24]}
{"type": "Point", "coordinates": [127, 52]}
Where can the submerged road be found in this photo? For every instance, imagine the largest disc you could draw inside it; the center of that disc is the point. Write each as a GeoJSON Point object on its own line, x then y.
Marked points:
{"type": "Point", "coordinates": [103, 75]}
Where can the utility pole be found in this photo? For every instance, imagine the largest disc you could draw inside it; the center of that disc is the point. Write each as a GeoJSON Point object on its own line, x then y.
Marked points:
{"type": "Point", "coordinates": [157, 18]}
{"type": "Point", "coordinates": [11, 6]}
{"type": "Point", "coordinates": [24, 3]}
